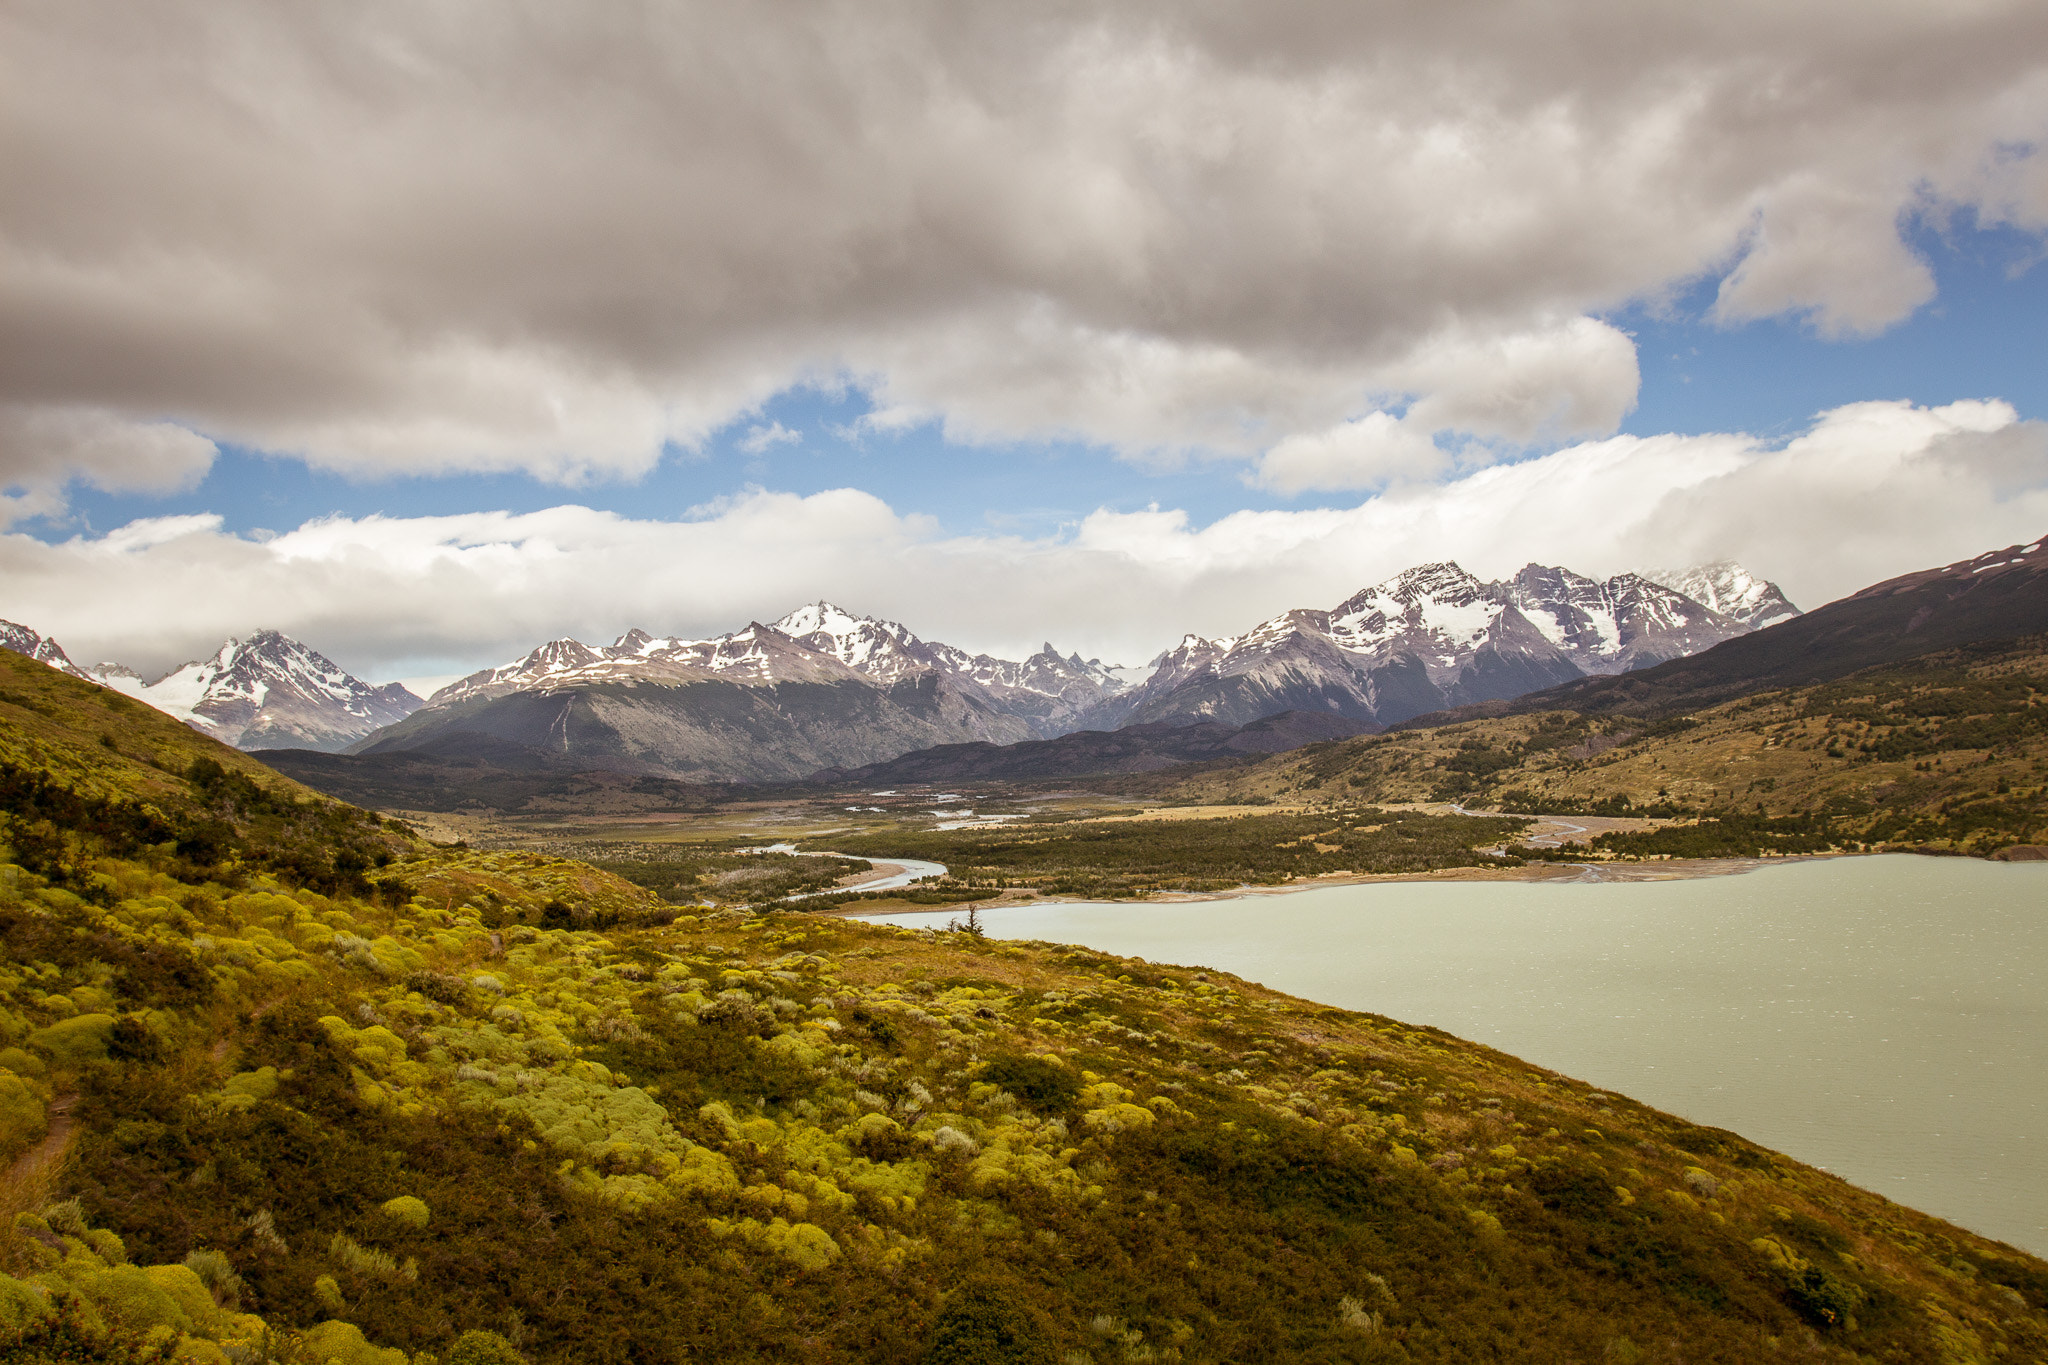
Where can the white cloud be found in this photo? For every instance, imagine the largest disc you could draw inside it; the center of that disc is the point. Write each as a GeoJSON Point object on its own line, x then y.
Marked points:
{"type": "Point", "coordinates": [43, 449]}
{"type": "Point", "coordinates": [1363, 453]}
{"type": "Point", "coordinates": [397, 237]}
{"type": "Point", "coordinates": [1871, 490]}
{"type": "Point", "coordinates": [1575, 377]}
{"type": "Point", "coordinates": [759, 439]}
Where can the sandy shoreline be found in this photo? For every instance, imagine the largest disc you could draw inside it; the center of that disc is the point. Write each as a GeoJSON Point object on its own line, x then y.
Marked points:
{"type": "Point", "coordinates": [1666, 870]}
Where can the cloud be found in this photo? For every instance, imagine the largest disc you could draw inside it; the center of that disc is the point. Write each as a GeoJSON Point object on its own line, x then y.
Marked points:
{"type": "Point", "coordinates": [1869, 491]}
{"type": "Point", "coordinates": [1576, 377]}
{"type": "Point", "coordinates": [396, 237]}
{"type": "Point", "coordinates": [759, 439]}
{"type": "Point", "coordinates": [1365, 453]}
{"type": "Point", "coordinates": [43, 449]}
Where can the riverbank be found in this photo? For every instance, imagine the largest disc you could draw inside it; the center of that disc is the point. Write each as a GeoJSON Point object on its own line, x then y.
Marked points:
{"type": "Point", "coordinates": [1662, 870]}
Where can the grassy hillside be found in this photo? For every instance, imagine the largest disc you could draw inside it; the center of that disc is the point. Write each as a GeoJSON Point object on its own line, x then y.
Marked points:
{"type": "Point", "coordinates": [481, 1107]}
{"type": "Point", "coordinates": [1946, 752]}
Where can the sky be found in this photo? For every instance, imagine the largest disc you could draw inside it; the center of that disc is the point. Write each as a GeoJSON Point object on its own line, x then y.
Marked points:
{"type": "Point", "coordinates": [425, 332]}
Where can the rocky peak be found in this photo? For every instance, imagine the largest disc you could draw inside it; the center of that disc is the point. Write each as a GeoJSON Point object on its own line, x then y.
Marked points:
{"type": "Point", "coordinates": [39, 647]}
{"type": "Point", "coordinates": [1726, 587]}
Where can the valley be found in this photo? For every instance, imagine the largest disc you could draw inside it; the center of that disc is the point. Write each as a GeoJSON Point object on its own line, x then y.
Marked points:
{"type": "Point", "coordinates": [552, 1026]}
{"type": "Point", "coordinates": [326, 1089]}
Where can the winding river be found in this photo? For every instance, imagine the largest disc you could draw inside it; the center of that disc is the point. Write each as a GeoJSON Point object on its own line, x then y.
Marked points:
{"type": "Point", "coordinates": [1885, 1018]}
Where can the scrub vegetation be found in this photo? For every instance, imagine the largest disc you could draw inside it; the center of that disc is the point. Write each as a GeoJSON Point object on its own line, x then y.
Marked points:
{"type": "Point", "coordinates": [1058, 855]}
{"type": "Point", "coordinates": [719, 874]}
{"type": "Point", "coordinates": [456, 1106]}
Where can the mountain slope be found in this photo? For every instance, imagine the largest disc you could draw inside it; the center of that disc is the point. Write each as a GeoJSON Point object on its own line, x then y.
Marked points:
{"type": "Point", "coordinates": [2000, 594]}
{"type": "Point", "coordinates": [22, 640]}
{"type": "Point", "coordinates": [514, 1096]}
{"type": "Point", "coordinates": [819, 642]}
{"type": "Point", "coordinates": [1629, 621]}
{"type": "Point", "coordinates": [821, 688]}
{"type": "Point", "coordinates": [1431, 637]}
{"type": "Point", "coordinates": [1944, 752]}
{"type": "Point", "coordinates": [1089, 753]}
{"type": "Point", "coordinates": [270, 692]}
{"type": "Point", "coordinates": [688, 723]}
{"type": "Point", "coordinates": [266, 692]}
{"type": "Point", "coordinates": [1726, 587]}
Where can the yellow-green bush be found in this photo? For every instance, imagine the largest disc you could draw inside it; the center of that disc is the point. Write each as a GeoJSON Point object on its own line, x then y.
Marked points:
{"type": "Point", "coordinates": [21, 1304]}
{"type": "Point", "coordinates": [407, 1209]}
{"type": "Point", "coordinates": [342, 1343]}
{"type": "Point", "coordinates": [23, 1120]}
{"type": "Point", "coordinates": [77, 1040]}
{"type": "Point", "coordinates": [482, 1348]}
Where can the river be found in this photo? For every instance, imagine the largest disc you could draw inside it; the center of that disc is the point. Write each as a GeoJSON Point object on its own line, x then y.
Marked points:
{"type": "Point", "coordinates": [1884, 1018]}
{"type": "Point", "coordinates": [908, 870]}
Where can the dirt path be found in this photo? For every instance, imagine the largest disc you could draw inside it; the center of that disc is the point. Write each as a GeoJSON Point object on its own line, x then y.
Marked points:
{"type": "Point", "coordinates": [38, 1162]}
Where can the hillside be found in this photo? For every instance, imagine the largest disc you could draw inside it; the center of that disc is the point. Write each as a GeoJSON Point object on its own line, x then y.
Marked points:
{"type": "Point", "coordinates": [1092, 753]}
{"type": "Point", "coordinates": [477, 772]}
{"type": "Point", "coordinates": [1998, 595]}
{"type": "Point", "coordinates": [450, 1106]}
{"type": "Point", "coordinates": [1946, 752]}
{"type": "Point", "coordinates": [685, 724]}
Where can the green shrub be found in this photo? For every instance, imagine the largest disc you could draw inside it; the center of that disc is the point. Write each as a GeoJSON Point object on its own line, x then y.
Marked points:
{"type": "Point", "coordinates": [76, 1041]}
{"type": "Point", "coordinates": [408, 1210]}
{"type": "Point", "coordinates": [20, 1305]}
{"type": "Point", "coordinates": [1823, 1297]}
{"type": "Point", "coordinates": [482, 1348]}
{"type": "Point", "coordinates": [986, 1324]}
{"type": "Point", "coordinates": [22, 1120]}
{"type": "Point", "coordinates": [70, 1335]}
{"type": "Point", "coordinates": [344, 1342]}
{"type": "Point", "coordinates": [1039, 1082]}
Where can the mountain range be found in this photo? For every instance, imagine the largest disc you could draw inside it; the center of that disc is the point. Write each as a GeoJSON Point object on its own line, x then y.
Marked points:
{"type": "Point", "coordinates": [824, 688]}
{"type": "Point", "coordinates": [266, 692]}
{"type": "Point", "coordinates": [1997, 595]}
{"type": "Point", "coordinates": [1437, 637]}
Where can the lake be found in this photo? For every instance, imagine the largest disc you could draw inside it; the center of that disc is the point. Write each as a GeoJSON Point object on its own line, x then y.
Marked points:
{"type": "Point", "coordinates": [1883, 1017]}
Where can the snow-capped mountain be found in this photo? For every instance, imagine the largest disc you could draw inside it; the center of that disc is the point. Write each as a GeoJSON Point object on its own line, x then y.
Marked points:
{"type": "Point", "coordinates": [816, 643]}
{"type": "Point", "coordinates": [877, 649]}
{"type": "Point", "coordinates": [268, 692]}
{"type": "Point", "coordinates": [551, 660]}
{"type": "Point", "coordinates": [1628, 621]}
{"type": "Point", "coordinates": [1730, 589]}
{"type": "Point", "coordinates": [821, 687]}
{"type": "Point", "coordinates": [825, 687]}
{"type": "Point", "coordinates": [1432, 637]}
{"type": "Point", "coordinates": [39, 647]}
{"type": "Point", "coordinates": [829, 687]}
{"type": "Point", "coordinates": [886, 651]}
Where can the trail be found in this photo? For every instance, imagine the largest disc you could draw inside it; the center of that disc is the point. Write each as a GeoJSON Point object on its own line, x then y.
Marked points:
{"type": "Point", "coordinates": [40, 1160]}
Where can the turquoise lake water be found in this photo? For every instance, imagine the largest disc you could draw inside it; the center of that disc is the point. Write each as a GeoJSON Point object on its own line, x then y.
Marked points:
{"type": "Point", "coordinates": [1885, 1018]}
